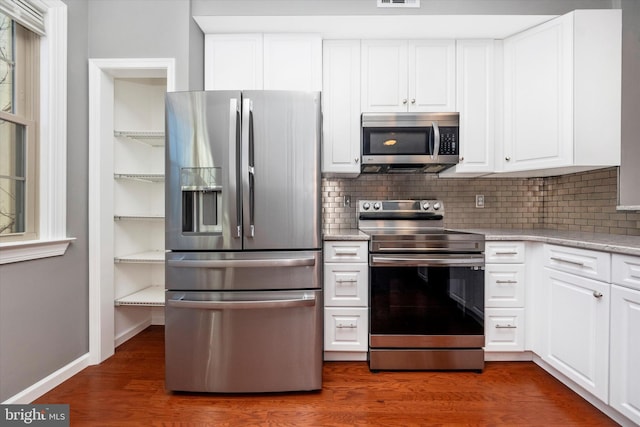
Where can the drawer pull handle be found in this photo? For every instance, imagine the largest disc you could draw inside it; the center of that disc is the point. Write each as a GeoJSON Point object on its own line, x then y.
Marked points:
{"type": "Point", "coordinates": [346, 251]}
{"type": "Point", "coordinates": [506, 327]}
{"type": "Point", "coordinates": [506, 253]}
{"type": "Point", "coordinates": [350, 281]}
{"type": "Point", "coordinates": [509, 282]}
{"type": "Point", "coordinates": [350, 326]}
{"type": "Point", "coordinates": [597, 294]}
{"type": "Point", "coordinates": [568, 261]}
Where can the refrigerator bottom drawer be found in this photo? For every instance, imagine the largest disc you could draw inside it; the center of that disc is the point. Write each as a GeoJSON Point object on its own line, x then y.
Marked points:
{"type": "Point", "coordinates": [243, 342]}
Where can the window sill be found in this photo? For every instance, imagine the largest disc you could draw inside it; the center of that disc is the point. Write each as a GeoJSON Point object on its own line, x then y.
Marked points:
{"type": "Point", "coordinates": [33, 249]}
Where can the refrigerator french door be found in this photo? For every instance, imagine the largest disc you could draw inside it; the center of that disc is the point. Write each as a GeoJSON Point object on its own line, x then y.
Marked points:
{"type": "Point", "coordinates": [243, 271]}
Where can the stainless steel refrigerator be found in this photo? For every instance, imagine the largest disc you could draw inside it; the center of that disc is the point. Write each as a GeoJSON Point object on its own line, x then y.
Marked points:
{"type": "Point", "coordinates": [243, 308]}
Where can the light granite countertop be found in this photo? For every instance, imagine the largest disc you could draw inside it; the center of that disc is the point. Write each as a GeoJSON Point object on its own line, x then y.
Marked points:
{"type": "Point", "coordinates": [629, 245]}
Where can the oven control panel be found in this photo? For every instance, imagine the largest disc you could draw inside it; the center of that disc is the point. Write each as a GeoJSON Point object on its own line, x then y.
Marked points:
{"type": "Point", "coordinates": [401, 206]}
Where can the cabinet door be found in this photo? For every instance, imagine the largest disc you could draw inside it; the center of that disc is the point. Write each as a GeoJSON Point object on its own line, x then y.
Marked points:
{"type": "Point", "coordinates": [346, 285]}
{"type": "Point", "coordinates": [345, 329]}
{"type": "Point", "coordinates": [504, 285]}
{"type": "Point", "coordinates": [384, 75]}
{"type": "Point", "coordinates": [341, 107]}
{"type": "Point", "coordinates": [539, 97]}
{"type": "Point", "coordinates": [625, 352]}
{"type": "Point", "coordinates": [431, 75]}
{"type": "Point", "coordinates": [577, 330]}
{"type": "Point", "coordinates": [504, 329]}
{"type": "Point", "coordinates": [233, 62]}
{"type": "Point", "coordinates": [293, 62]}
{"type": "Point", "coordinates": [475, 102]}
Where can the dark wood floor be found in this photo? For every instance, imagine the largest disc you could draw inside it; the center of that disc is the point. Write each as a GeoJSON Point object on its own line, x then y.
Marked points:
{"type": "Point", "coordinates": [128, 390]}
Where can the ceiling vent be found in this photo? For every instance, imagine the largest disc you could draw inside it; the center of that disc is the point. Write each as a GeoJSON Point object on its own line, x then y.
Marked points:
{"type": "Point", "coordinates": [398, 3]}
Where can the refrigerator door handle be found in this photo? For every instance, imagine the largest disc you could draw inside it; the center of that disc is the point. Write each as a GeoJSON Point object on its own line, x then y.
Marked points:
{"type": "Point", "coordinates": [234, 263]}
{"type": "Point", "coordinates": [234, 136]}
{"type": "Point", "coordinates": [248, 170]}
{"type": "Point", "coordinates": [307, 301]}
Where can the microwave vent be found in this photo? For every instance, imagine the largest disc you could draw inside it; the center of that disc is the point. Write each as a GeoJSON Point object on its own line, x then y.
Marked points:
{"type": "Point", "coordinates": [398, 3]}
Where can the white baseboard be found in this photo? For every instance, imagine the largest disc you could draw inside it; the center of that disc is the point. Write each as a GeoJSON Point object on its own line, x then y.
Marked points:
{"type": "Point", "coordinates": [48, 383]}
{"type": "Point", "coordinates": [508, 356]}
{"type": "Point", "coordinates": [351, 356]}
{"type": "Point", "coordinates": [131, 332]}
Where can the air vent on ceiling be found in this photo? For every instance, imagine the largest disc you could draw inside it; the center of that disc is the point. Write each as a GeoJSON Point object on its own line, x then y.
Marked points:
{"type": "Point", "coordinates": [398, 3]}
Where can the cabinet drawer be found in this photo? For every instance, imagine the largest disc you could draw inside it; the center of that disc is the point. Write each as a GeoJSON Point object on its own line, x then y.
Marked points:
{"type": "Point", "coordinates": [504, 329]}
{"type": "Point", "coordinates": [345, 329]}
{"type": "Point", "coordinates": [582, 262]}
{"type": "Point", "coordinates": [346, 251]}
{"type": "Point", "coordinates": [345, 285]}
{"type": "Point", "coordinates": [625, 271]}
{"type": "Point", "coordinates": [504, 252]}
{"type": "Point", "coordinates": [504, 285]}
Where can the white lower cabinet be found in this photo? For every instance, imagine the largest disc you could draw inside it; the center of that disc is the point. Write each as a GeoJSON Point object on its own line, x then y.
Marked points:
{"type": "Point", "coordinates": [576, 324]}
{"type": "Point", "coordinates": [504, 297]}
{"type": "Point", "coordinates": [625, 333]}
{"type": "Point", "coordinates": [346, 313]}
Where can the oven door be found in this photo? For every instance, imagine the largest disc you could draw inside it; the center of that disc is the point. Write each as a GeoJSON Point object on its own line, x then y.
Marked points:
{"type": "Point", "coordinates": [426, 301]}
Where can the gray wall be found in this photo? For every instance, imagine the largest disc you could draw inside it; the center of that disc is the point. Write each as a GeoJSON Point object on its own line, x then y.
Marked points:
{"type": "Point", "coordinates": [44, 303]}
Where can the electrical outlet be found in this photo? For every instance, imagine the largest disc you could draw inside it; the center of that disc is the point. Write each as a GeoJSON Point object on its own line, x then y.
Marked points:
{"type": "Point", "coordinates": [347, 201]}
{"type": "Point", "coordinates": [479, 201]}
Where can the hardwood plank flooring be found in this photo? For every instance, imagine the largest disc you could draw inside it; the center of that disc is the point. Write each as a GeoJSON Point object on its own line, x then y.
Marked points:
{"type": "Point", "coordinates": [128, 390]}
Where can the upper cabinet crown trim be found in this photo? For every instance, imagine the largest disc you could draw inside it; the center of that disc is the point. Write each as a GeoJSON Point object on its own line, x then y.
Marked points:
{"type": "Point", "coordinates": [377, 26]}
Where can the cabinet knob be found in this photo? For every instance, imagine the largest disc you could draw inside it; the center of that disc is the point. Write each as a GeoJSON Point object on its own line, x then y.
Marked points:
{"type": "Point", "coordinates": [507, 158]}
{"type": "Point", "coordinates": [461, 159]}
{"type": "Point", "coordinates": [413, 101]}
{"type": "Point", "coordinates": [597, 294]}
{"type": "Point", "coordinates": [356, 160]}
{"type": "Point", "coordinates": [404, 101]}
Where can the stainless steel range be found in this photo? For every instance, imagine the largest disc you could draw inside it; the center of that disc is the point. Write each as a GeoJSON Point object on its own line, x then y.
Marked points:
{"type": "Point", "coordinates": [426, 288]}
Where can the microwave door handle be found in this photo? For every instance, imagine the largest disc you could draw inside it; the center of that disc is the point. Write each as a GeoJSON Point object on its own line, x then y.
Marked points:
{"type": "Point", "coordinates": [234, 135]}
{"type": "Point", "coordinates": [436, 137]}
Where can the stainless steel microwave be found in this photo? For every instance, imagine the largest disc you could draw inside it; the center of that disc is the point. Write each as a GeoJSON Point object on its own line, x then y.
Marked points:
{"type": "Point", "coordinates": [409, 142]}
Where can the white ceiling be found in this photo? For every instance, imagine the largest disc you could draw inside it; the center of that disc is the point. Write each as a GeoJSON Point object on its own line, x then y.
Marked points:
{"type": "Point", "coordinates": [376, 26]}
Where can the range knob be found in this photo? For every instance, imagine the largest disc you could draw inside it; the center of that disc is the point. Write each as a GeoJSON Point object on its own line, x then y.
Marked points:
{"type": "Point", "coordinates": [376, 206]}
{"type": "Point", "coordinates": [425, 206]}
{"type": "Point", "coordinates": [436, 206]}
{"type": "Point", "coordinates": [366, 206]}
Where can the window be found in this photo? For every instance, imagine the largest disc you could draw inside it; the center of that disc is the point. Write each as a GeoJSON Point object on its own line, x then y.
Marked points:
{"type": "Point", "coordinates": [19, 77]}
{"type": "Point", "coordinates": [47, 123]}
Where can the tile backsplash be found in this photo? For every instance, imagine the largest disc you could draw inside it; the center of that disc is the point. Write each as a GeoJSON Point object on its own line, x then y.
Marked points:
{"type": "Point", "coordinates": [580, 202]}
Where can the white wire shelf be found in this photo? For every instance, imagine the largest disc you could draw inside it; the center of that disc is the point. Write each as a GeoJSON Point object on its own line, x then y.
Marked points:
{"type": "Point", "coordinates": [140, 177]}
{"type": "Point", "coordinates": [152, 138]}
{"type": "Point", "coordinates": [148, 257]}
{"type": "Point", "coordinates": [151, 296]}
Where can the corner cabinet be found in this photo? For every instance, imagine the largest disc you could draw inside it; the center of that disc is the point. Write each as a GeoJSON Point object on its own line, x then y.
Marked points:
{"type": "Point", "coordinates": [562, 85]}
{"type": "Point", "coordinates": [263, 61]}
{"type": "Point", "coordinates": [408, 75]}
{"type": "Point", "coordinates": [576, 326]}
{"type": "Point", "coordinates": [138, 204]}
{"type": "Point", "coordinates": [341, 107]}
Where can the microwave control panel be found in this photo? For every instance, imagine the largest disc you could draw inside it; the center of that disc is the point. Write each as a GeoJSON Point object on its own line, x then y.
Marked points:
{"type": "Point", "coordinates": [448, 141]}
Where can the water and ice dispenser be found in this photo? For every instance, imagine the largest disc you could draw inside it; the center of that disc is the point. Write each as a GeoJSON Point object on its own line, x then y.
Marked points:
{"type": "Point", "coordinates": [201, 200]}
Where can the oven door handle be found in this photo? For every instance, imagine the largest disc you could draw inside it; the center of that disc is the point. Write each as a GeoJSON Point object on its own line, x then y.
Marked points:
{"type": "Point", "coordinates": [407, 261]}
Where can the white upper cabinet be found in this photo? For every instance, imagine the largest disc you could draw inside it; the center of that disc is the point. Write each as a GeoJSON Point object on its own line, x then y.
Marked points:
{"type": "Point", "coordinates": [475, 99]}
{"type": "Point", "coordinates": [233, 62]}
{"type": "Point", "coordinates": [341, 107]}
{"type": "Point", "coordinates": [562, 94]}
{"type": "Point", "coordinates": [401, 75]}
{"type": "Point", "coordinates": [293, 62]}
{"type": "Point", "coordinates": [263, 61]}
